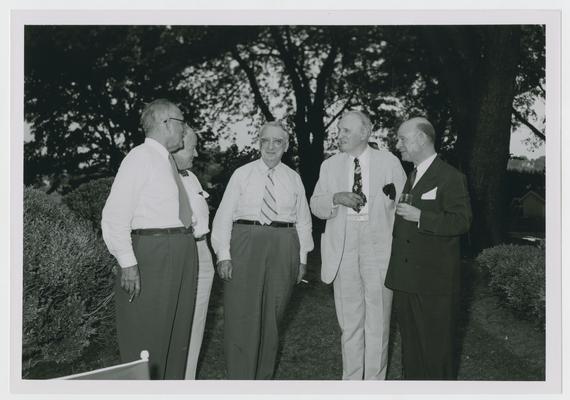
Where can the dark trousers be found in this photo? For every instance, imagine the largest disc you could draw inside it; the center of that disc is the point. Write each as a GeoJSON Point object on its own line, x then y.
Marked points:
{"type": "Point", "coordinates": [160, 319]}
{"type": "Point", "coordinates": [265, 266]}
{"type": "Point", "coordinates": [428, 331]}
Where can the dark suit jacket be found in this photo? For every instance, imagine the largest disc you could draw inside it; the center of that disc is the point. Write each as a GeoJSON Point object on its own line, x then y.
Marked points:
{"type": "Point", "coordinates": [426, 259]}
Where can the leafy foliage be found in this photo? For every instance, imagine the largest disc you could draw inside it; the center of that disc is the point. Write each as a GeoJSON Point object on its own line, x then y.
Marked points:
{"type": "Point", "coordinates": [517, 274]}
{"type": "Point", "coordinates": [88, 200]}
{"type": "Point", "coordinates": [67, 283]}
{"type": "Point", "coordinates": [85, 87]}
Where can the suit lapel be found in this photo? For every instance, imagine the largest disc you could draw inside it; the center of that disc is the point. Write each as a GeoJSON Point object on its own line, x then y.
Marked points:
{"type": "Point", "coordinates": [374, 175]}
{"type": "Point", "coordinates": [428, 179]}
{"type": "Point", "coordinates": [344, 167]}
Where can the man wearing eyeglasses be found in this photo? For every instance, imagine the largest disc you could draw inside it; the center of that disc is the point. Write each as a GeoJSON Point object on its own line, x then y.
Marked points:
{"type": "Point", "coordinates": [147, 226]}
{"type": "Point", "coordinates": [261, 234]}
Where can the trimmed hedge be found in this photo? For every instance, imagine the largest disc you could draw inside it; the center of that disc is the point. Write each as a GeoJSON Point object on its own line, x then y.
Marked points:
{"type": "Point", "coordinates": [88, 200]}
{"type": "Point", "coordinates": [517, 275]}
{"type": "Point", "coordinates": [67, 283]}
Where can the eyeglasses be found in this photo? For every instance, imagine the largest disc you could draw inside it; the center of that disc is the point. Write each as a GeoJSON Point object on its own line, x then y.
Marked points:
{"type": "Point", "coordinates": [277, 142]}
{"type": "Point", "coordinates": [176, 119]}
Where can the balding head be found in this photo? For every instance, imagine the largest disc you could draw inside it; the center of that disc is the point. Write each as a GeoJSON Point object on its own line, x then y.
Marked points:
{"type": "Point", "coordinates": [416, 138]}
{"type": "Point", "coordinates": [354, 129]}
{"type": "Point", "coordinates": [163, 121]}
{"type": "Point", "coordinates": [364, 120]}
{"type": "Point", "coordinates": [423, 125]}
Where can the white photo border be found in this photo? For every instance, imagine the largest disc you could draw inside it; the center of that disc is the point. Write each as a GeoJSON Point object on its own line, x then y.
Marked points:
{"type": "Point", "coordinates": [550, 18]}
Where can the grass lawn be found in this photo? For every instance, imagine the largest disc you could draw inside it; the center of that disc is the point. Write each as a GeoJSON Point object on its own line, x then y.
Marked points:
{"type": "Point", "coordinates": [495, 344]}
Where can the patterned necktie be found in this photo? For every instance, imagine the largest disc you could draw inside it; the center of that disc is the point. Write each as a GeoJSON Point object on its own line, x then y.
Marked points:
{"type": "Point", "coordinates": [269, 203]}
{"type": "Point", "coordinates": [184, 209]}
{"type": "Point", "coordinates": [413, 177]}
{"type": "Point", "coordinates": [357, 185]}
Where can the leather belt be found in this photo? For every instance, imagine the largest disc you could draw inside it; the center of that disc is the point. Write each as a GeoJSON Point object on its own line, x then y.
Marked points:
{"type": "Point", "coordinates": [162, 231]}
{"type": "Point", "coordinates": [273, 224]}
{"type": "Point", "coordinates": [200, 238]}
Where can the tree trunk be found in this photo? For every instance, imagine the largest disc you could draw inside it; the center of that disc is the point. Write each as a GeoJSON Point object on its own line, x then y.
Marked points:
{"type": "Point", "coordinates": [484, 142]}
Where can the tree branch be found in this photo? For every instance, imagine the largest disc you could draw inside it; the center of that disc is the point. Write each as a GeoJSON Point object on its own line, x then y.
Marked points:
{"type": "Point", "coordinates": [324, 76]}
{"type": "Point", "coordinates": [291, 68]}
{"type": "Point", "coordinates": [342, 110]}
{"type": "Point", "coordinates": [542, 89]}
{"type": "Point", "coordinates": [254, 85]}
{"type": "Point", "coordinates": [530, 126]}
{"type": "Point", "coordinates": [298, 61]}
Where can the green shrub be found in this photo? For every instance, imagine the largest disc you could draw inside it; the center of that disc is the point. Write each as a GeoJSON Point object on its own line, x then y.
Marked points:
{"type": "Point", "coordinates": [89, 199]}
{"type": "Point", "coordinates": [517, 275]}
{"type": "Point", "coordinates": [67, 283]}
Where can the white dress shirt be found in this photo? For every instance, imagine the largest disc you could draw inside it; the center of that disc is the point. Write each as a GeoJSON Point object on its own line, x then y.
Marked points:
{"type": "Point", "coordinates": [200, 211]}
{"type": "Point", "coordinates": [243, 197]}
{"type": "Point", "coordinates": [364, 161]}
{"type": "Point", "coordinates": [422, 167]}
{"type": "Point", "coordinates": [144, 195]}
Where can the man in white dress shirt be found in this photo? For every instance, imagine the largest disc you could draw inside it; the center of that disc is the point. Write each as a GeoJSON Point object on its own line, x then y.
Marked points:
{"type": "Point", "coordinates": [200, 222]}
{"type": "Point", "coordinates": [261, 235]}
{"type": "Point", "coordinates": [356, 194]}
{"type": "Point", "coordinates": [146, 225]}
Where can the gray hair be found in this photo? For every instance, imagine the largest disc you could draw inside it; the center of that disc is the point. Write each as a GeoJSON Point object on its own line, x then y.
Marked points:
{"type": "Point", "coordinates": [274, 124]}
{"type": "Point", "coordinates": [423, 125]}
{"type": "Point", "coordinates": [154, 113]}
{"type": "Point", "coordinates": [364, 119]}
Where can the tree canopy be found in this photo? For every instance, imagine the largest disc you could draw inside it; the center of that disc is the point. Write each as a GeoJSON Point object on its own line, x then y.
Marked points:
{"type": "Point", "coordinates": [85, 87]}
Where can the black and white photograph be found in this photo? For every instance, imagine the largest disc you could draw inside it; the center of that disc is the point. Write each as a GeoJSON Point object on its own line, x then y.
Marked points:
{"type": "Point", "coordinates": [307, 198]}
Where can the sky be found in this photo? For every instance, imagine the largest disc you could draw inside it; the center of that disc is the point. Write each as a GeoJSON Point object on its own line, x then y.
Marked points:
{"type": "Point", "coordinates": [518, 147]}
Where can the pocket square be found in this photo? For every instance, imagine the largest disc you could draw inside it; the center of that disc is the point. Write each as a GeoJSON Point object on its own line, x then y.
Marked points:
{"type": "Point", "coordinates": [390, 191]}
{"type": "Point", "coordinates": [430, 195]}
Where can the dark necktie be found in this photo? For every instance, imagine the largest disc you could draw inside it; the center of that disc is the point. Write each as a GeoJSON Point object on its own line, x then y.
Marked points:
{"type": "Point", "coordinates": [183, 172]}
{"type": "Point", "coordinates": [413, 177]}
{"type": "Point", "coordinates": [184, 209]}
{"type": "Point", "coordinates": [357, 185]}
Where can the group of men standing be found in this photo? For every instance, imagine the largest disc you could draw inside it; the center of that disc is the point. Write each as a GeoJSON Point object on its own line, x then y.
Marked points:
{"type": "Point", "coordinates": [375, 250]}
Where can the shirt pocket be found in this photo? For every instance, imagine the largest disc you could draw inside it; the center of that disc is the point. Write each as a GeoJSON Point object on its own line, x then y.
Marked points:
{"type": "Point", "coordinates": [287, 204]}
{"type": "Point", "coordinates": [251, 195]}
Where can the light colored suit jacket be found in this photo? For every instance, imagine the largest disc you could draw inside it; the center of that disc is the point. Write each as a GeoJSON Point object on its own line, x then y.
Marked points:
{"type": "Point", "coordinates": [385, 168]}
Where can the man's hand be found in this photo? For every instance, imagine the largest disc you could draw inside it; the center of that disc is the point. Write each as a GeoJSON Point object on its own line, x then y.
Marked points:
{"type": "Point", "coordinates": [225, 269]}
{"type": "Point", "coordinates": [348, 199]}
{"type": "Point", "coordinates": [302, 272]}
{"type": "Point", "coordinates": [131, 281]}
{"type": "Point", "coordinates": [408, 212]}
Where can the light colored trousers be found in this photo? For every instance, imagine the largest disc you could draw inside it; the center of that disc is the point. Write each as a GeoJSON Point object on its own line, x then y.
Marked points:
{"type": "Point", "coordinates": [363, 305]}
{"type": "Point", "coordinates": [205, 279]}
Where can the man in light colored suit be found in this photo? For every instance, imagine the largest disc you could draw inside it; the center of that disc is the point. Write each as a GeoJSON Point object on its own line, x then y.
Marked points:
{"type": "Point", "coordinates": [356, 194]}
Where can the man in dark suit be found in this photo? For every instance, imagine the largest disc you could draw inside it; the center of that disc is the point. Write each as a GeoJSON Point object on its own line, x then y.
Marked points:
{"type": "Point", "coordinates": [425, 259]}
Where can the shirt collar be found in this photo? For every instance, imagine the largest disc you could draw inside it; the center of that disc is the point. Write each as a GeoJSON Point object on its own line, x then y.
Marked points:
{"type": "Point", "coordinates": [363, 157]}
{"type": "Point", "coordinates": [264, 168]}
{"type": "Point", "coordinates": [155, 145]}
{"type": "Point", "coordinates": [424, 165]}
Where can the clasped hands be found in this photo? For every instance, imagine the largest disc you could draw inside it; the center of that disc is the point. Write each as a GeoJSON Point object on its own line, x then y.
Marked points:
{"type": "Point", "coordinates": [225, 270]}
